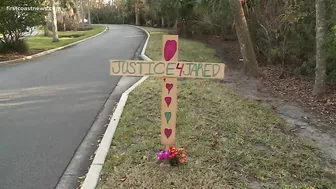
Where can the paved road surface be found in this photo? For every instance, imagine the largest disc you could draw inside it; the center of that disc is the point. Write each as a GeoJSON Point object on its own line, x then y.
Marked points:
{"type": "Point", "coordinates": [47, 106]}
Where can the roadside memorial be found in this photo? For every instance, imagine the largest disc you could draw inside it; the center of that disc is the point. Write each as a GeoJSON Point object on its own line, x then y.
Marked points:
{"type": "Point", "coordinates": [170, 69]}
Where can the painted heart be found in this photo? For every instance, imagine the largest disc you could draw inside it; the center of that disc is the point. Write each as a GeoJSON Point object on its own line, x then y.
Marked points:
{"type": "Point", "coordinates": [168, 100]}
{"type": "Point", "coordinates": [168, 116]}
{"type": "Point", "coordinates": [169, 86]}
{"type": "Point", "coordinates": [168, 132]}
{"type": "Point", "coordinates": [170, 49]}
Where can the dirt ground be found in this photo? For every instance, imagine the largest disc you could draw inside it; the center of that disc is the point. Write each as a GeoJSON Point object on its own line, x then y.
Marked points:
{"type": "Point", "coordinates": [13, 56]}
{"type": "Point", "coordinates": [309, 118]}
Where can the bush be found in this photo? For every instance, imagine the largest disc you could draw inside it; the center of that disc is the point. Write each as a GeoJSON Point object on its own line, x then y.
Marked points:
{"type": "Point", "coordinates": [331, 56]}
{"type": "Point", "coordinates": [13, 23]}
{"type": "Point", "coordinates": [67, 20]}
{"type": "Point", "coordinates": [18, 46]}
{"type": "Point", "coordinates": [283, 32]}
{"type": "Point", "coordinates": [71, 23]}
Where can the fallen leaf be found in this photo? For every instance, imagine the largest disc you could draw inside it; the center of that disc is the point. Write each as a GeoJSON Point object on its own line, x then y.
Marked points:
{"type": "Point", "coordinates": [122, 179]}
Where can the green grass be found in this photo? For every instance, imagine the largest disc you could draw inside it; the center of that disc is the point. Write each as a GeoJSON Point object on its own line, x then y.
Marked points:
{"type": "Point", "coordinates": [40, 27]}
{"type": "Point", "coordinates": [231, 142]}
{"type": "Point", "coordinates": [41, 42]}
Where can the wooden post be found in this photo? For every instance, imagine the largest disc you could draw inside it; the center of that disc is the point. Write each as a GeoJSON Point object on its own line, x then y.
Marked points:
{"type": "Point", "coordinates": [169, 93]}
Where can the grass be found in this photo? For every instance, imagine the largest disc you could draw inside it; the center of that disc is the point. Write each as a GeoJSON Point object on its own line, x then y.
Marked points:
{"type": "Point", "coordinates": [231, 142]}
{"type": "Point", "coordinates": [42, 42]}
{"type": "Point", "coordinates": [41, 28]}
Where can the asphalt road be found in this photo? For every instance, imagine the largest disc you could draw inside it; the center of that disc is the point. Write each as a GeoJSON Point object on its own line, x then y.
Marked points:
{"type": "Point", "coordinates": [47, 106]}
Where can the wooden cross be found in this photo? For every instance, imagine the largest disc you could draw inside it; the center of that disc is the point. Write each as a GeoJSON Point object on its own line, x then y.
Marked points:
{"type": "Point", "coordinates": [170, 69]}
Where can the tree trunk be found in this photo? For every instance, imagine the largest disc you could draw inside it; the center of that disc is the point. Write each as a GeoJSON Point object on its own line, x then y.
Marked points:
{"type": "Point", "coordinates": [245, 42]}
{"type": "Point", "coordinates": [320, 72]}
{"type": "Point", "coordinates": [46, 30]}
{"type": "Point", "coordinates": [137, 15]}
{"type": "Point", "coordinates": [162, 22]}
{"type": "Point", "coordinates": [184, 30]}
{"type": "Point", "coordinates": [82, 24]}
{"type": "Point", "coordinates": [89, 14]}
{"type": "Point", "coordinates": [54, 21]}
{"type": "Point", "coordinates": [137, 19]}
{"type": "Point", "coordinates": [176, 23]}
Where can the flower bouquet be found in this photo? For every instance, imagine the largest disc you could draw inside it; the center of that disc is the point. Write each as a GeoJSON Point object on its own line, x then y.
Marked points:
{"type": "Point", "coordinates": [174, 156]}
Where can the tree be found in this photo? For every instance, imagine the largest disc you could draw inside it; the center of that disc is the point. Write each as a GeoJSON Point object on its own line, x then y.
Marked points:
{"type": "Point", "coordinates": [137, 11]}
{"type": "Point", "coordinates": [54, 21]}
{"type": "Point", "coordinates": [89, 5]}
{"type": "Point", "coordinates": [89, 13]}
{"type": "Point", "coordinates": [184, 14]}
{"type": "Point", "coordinates": [13, 23]}
{"type": "Point", "coordinates": [243, 34]}
{"type": "Point", "coordinates": [45, 26]}
{"type": "Point", "coordinates": [82, 24]}
{"type": "Point", "coordinates": [46, 20]}
{"type": "Point", "coordinates": [158, 11]}
{"type": "Point", "coordinates": [68, 18]}
{"type": "Point", "coordinates": [321, 29]}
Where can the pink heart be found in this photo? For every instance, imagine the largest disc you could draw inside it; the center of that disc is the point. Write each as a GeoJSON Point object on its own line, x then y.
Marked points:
{"type": "Point", "coordinates": [168, 132]}
{"type": "Point", "coordinates": [170, 49]}
{"type": "Point", "coordinates": [168, 100]}
{"type": "Point", "coordinates": [169, 86]}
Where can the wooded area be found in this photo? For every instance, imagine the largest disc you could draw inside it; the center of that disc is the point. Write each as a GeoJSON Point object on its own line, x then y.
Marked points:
{"type": "Point", "coordinates": [283, 32]}
{"type": "Point", "coordinates": [297, 35]}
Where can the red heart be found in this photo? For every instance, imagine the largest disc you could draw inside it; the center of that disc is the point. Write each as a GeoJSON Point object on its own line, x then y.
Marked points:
{"type": "Point", "coordinates": [168, 100]}
{"type": "Point", "coordinates": [168, 132]}
{"type": "Point", "coordinates": [170, 49]}
{"type": "Point", "coordinates": [169, 86]}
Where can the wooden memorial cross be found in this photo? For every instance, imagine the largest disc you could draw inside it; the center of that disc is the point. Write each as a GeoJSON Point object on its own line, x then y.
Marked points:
{"type": "Point", "coordinates": [169, 70]}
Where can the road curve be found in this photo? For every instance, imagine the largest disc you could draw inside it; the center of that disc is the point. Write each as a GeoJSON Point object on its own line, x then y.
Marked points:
{"type": "Point", "coordinates": [47, 105]}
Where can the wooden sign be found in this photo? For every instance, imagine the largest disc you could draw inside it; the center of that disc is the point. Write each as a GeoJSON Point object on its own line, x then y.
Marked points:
{"type": "Point", "coordinates": [169, 69]}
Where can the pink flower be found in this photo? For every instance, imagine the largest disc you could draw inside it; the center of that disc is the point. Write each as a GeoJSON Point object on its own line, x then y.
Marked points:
{"type": "Point", "coordinates": [162, 155]}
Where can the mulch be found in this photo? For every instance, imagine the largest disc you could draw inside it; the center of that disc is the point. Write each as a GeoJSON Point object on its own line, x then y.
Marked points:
{"type": "Point", "coordinates": [296, 88]}
{"type": "Point", "coordinates": [15, 55]}
{"type": "Point", "coordinates": [281, 83]}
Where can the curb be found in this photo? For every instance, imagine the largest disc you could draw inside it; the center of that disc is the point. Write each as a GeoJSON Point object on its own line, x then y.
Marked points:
{"type": "Point", "coordinates": [51, 50]}
{"type": "Point", "coordinates": [92, 177]}
{"type": "Point", "coordinates": [143, 52]}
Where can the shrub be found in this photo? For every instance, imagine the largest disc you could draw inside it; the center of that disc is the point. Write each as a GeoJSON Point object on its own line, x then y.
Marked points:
{"type": "Point", "coordinates": [331, 56]}
{"type": "Point", "coordinates": [19, 46]}
{"type": "Point", "coordinates": [18, 21]}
